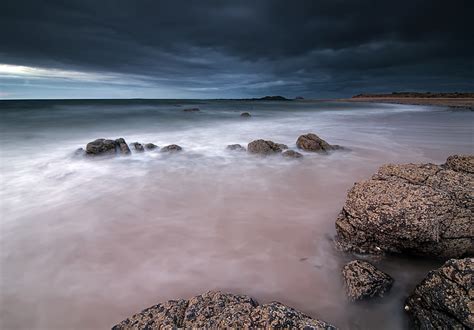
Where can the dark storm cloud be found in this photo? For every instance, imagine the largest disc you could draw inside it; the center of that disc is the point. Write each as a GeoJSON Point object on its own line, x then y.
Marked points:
{"type": "Point", "coordinates": [240, 48]}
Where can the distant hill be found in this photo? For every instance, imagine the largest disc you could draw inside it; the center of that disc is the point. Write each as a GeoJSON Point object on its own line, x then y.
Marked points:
{"type": "Point", "coordinates": [272, 98]}
{"type": "Point", "coordinates": [417, 95]}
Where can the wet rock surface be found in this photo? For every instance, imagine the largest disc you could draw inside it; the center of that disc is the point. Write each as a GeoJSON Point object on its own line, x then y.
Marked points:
{"type": "Point", "coordinates": [445, 298]}
{"type": "Point", "coordinates": [363, 280]}
{"type": "Point", "coordinates": [215, 309]}
{"type": "Point", "coordinates": [150, 146]}
{"type": "Point", "coordinates": [138, 147]}
{"type": "Point", "coordinates": [422, 209]}
{"type": "Point", "coordinates": [312, 142]}
{"type": "Point", "coordinates": [264, 147]}
{"type": "Point", "coordinates": [235, 147]}
{"type": "Point", "coordinates": [291, 154]}
{"type": "Point", "coordinates": [245, 115]}
{"type": "Point", "coordinates": [171, 148]}
{"type": "Point", "coordinates": [107, 147]}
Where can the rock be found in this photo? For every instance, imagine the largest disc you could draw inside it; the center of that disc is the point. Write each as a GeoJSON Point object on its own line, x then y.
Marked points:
{"type": "Point", "coordinates": [150, 146]}
{"type": "Point", "coordinates": [363, 280]}
{"type": "Point", "coordinates": [264, 147]}
{"type": "Point", "coordinates": [445, 298]}
{"type": "Point", "coordinates": [460, 163]}
{"type": "Point", "coordinates": [422, 209]}
{"type": "Point", "coordinates": [245, 115]}
{"type": "Point", "coordinates": [107, 147]}
{"type": "Point", "coordinates": [291, 154]}
{"type": "Point", "coordinates": [122, 146]}
{"type": "Point", "coordinates": [235, 147]}
{"type": "Point", "coordinates": [171, 148]}
{"type": "Point", "coordinates": [312, 142]}
{"type": "Point", "coordinates": [138, 147]}
{"type": "Point", "coordinates": [191, 110]}
{"type": "Point", "coordinates": [215, 309]}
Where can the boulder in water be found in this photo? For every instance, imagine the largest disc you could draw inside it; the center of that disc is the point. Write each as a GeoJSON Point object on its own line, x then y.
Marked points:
{"type": "Point", "coordinates": [363, 280]}
{"type": "Point", "coordinates": [171, 148]}
{"type": "Point", "coordinates": [445, 298]}
{"type": "Point", "coordinates": [107, 147]}
{"type": "Point", "coordinates": [235, 147]}
{"type": "Point", "coordinates": [263, 147]}
{"type": "Point", "coordinates": [138, 147]}
{"type": "Point", "coordinates": [422, 209]}
{"type": "Point", "coordinates": [191, 110]}
{"type": "Point", "coordinates": [312, 142]}
{"type": "Point", "coordinates": [245, 115]}
{"type": "Point", "coordinates": [291, 154]}
{"type": "Point", "coordinates": [217, 310]}
{"type": "Point", "coordinates": [150, 146]}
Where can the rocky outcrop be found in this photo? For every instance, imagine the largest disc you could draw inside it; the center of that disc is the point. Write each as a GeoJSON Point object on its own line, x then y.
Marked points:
{"type": "Point", "coordinates": [363, 280]}
{"type": "Point", "coordinates": [245, 115]}
{"type": "Point", "coordinates": [214, 309]}
{"type": "Point", "coordinates": [291, 154]}
{"type": "Point", "coordinates": [263, 147]}
{"type": "Point", "coordinates": [191, 110]}
{"type": "Point", "coordinates": [150, 146]}
{"type": "Point", "coordinates": [138, 147]}
{"type": "Point", "coordinates": [445, 298]}
{"type": "Point", "coordinates": [107, 147]}
{"type": "Point", "coordinates": [423, 209]}
{"type": "Point", "coordinates": [312, 142]}
{"type": "Point", "coordinates": [235, 147]}
{"type": "Point", "coordinates": [171, 148]}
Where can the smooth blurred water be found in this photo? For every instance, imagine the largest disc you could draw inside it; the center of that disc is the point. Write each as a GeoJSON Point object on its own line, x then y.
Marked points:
{"type": "Point", "coordinates": [87, 242]}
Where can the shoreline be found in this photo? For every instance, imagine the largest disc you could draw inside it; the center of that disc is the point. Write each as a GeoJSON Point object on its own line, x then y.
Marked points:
{"type": "Point", "coordinates": [456, 103]}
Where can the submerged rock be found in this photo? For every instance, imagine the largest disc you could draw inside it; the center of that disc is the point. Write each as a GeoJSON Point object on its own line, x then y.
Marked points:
{"type": "Point", "coordinates": [150, 146]}
{"type": "Point", "coordinates": [235, 147]}
{"type": "Point", "coordinates": [264, 147]}
{"type": "Point", "coordinates": [245, 115]}
{"type": "Point", "coordinates": [445, 298]}
{"type": "Point", "coordinates": [215, 309]}
{"type": "Point", "coordinates": [364, 280]}
{"type": "Point", "coordinates": [312, 142]}
{"type": "Point", "coordinates": [171, 148]}
{"type": "Point", "coordinates": [138, 147]}
{"type": "Point", "coordinates": [291, 154]}
{"type": "Point", "coordinates": [191, 110]}
{"type": "Point", "coordinates": [79, 152]}
{"type": "Point", "coordinates": [422, 209]}
{"type": "Point", "coordinates": [107, 147]}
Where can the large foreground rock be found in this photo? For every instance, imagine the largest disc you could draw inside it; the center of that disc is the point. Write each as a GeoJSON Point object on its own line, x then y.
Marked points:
{"type": "Point", "coordinates": [215, 309]}
{"type": "Point", "coordinates": [264, 147]}
{"type": "Point", "coordinates": [363, 280]}
{"type": "Point", "coordinates": [107, 147]}
{"type": "Point", "coordinates": [312, 142]}
{"type": "Point", "coordinates": [445, 298]}
{"type": "Point", "coordinates": [423, 209]}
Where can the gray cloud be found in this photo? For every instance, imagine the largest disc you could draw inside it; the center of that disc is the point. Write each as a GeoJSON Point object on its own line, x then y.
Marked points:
{"type": "Point", "coordinates": [248, 48]}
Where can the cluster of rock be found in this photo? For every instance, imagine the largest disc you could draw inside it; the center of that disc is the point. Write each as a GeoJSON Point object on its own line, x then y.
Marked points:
{"type": "Point", "coordinates": [215, 309]}
{"type": "Point", "coordinates": [421, 209]}
{"type": "Point", "coordinates": [309, 142]}
{"type": "Point", "coordinates": [102, 147]}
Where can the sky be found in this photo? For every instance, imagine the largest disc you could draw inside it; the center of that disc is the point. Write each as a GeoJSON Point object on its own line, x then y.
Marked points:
{"type": "Point", "coordinates": [233, 49]}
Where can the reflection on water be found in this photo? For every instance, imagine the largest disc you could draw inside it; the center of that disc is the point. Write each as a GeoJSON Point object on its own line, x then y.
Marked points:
{"type": "Point", "coordinates": [86, 243]}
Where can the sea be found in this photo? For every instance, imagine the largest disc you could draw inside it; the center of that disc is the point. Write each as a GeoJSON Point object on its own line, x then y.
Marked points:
{"type": "Point", "coordinates": [86, 242]}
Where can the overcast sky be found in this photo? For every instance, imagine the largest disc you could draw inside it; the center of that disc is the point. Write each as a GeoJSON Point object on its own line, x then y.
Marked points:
{"type": "Point", "coordinates": [231, 49]}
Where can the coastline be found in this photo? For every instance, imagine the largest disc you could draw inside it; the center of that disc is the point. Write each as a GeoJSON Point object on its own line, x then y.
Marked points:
{"type": "Point", "coordinates": [457, 103]}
